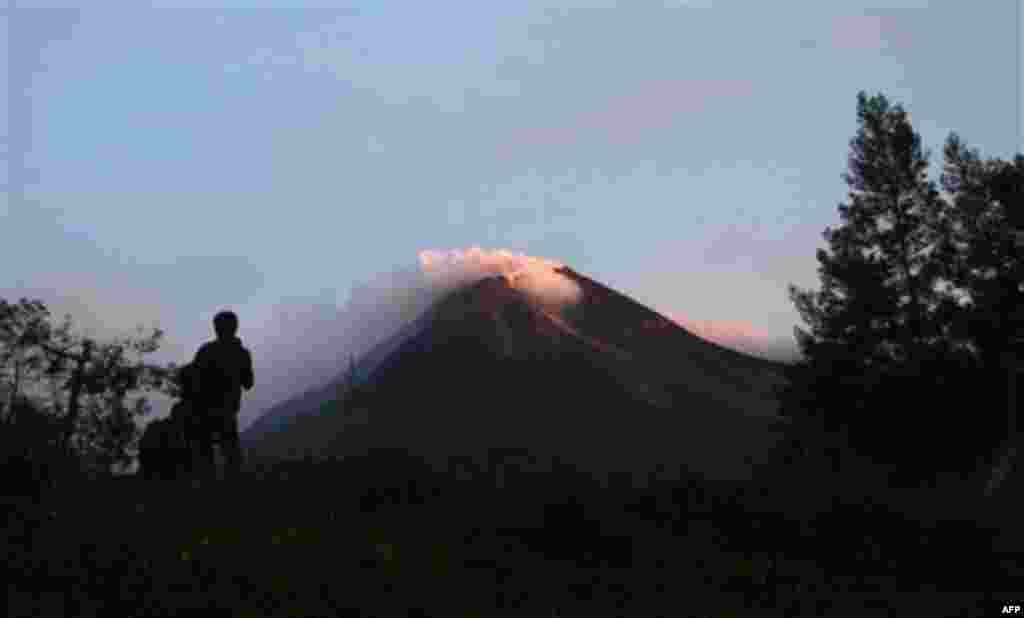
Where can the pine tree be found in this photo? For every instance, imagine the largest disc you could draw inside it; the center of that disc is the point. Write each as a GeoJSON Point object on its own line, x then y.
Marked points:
{"type": "Point", "coordinates": [874, 325]}
{"type": "Point", "coordinates": [983, 258]}
{"type": "Point", "coordinates": [879, 283]}
{"type": "Point", "coordinates": [979, 255]}
{"type": "Point", "coordinates": [87, 382]}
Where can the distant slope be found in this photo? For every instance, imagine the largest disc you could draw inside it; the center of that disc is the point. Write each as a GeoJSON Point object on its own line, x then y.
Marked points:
{"type": "Point", "coordinates": [313, 400]}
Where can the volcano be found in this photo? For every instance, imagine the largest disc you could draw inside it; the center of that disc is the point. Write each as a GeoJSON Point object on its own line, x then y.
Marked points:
{"type": "Point", "coordinates": [602, 382]}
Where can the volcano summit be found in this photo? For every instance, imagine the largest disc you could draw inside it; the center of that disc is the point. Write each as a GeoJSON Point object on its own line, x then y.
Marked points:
{"type": "Point", "coordinates": [548, 361]}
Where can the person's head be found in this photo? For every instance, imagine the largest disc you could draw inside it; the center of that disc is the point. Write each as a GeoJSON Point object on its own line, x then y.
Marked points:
{"type": "Point", "coordinates": [225, 324]}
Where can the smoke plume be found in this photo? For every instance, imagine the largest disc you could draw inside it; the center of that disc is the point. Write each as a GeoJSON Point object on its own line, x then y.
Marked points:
{"type": "Point", "coordinates": [532, 275]}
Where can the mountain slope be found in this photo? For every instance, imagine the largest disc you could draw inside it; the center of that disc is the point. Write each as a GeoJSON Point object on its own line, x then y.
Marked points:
{"type": "Point", "coordinates": [677, 356]}
{"type": "Point", "coordinates": [605, 382]}
{"type": "Point", "coordinates": [311, 400]}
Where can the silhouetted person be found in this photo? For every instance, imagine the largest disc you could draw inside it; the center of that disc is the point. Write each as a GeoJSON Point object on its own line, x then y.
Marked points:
{"type": "Point", "coordinates": [223, 369]}
{"type": "Point", "coordinates": [186, 415]}
{"type": "Point", "coordinates": [164, 451]}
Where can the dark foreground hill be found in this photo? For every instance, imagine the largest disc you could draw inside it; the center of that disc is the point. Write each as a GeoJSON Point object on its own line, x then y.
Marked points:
{"type": "Point", "coordinates": [605, 383]}
{"type": "Point", "coordinates": [384, 536]}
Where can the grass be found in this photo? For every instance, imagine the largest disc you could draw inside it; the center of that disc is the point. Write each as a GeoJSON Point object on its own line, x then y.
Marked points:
{"type": "Point", "coordinates": [385, 536]}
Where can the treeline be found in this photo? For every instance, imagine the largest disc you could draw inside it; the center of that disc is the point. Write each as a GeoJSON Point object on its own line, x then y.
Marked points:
{"type": "Point", "coordinates": [69, 403]}
{"type": "Point", "coordinates": [915, 330]}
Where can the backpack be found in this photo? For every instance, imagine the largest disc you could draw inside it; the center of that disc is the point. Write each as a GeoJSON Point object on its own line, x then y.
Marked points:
{"type": "Point", "coordinates": [163, 434]}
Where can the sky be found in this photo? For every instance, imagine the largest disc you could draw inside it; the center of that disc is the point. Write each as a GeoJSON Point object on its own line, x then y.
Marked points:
{"type": "Point", "coordinates": [166, 162]}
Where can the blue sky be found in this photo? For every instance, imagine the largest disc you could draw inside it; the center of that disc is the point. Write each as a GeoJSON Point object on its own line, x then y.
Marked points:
{"type": "Point", "coordinates": [170, 161]}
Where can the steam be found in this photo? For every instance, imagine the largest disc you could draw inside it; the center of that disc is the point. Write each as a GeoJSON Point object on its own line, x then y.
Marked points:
{"type": "Point", "coordinates": [534, 276]}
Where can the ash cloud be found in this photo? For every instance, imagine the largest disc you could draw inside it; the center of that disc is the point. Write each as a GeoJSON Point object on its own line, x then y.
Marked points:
{"type": "Point", "coordinates": [535, 276]}
{"type": "Point", "coordinates": [305, 342]}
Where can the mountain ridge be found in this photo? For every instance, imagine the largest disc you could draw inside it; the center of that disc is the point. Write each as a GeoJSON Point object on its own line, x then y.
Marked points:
{"type": "Point", "coordinates": [496, 365]}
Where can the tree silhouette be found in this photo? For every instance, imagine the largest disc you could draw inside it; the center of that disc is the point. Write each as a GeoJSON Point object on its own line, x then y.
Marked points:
{"type": "Point", "coordinates": [878, 281]}
{"type": "Point", "coordinates": [78, 382]}
{"type": "Point", "coordinates": [979, 254]}
{"type": "Point", "coordinates": [891, 341]}
{"type": "Point", "coordinates": [22, 325]}
{"type": "Point", "coordinates": [982, 256]}
{"type": "Point", "coordinates": [29, 448]}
